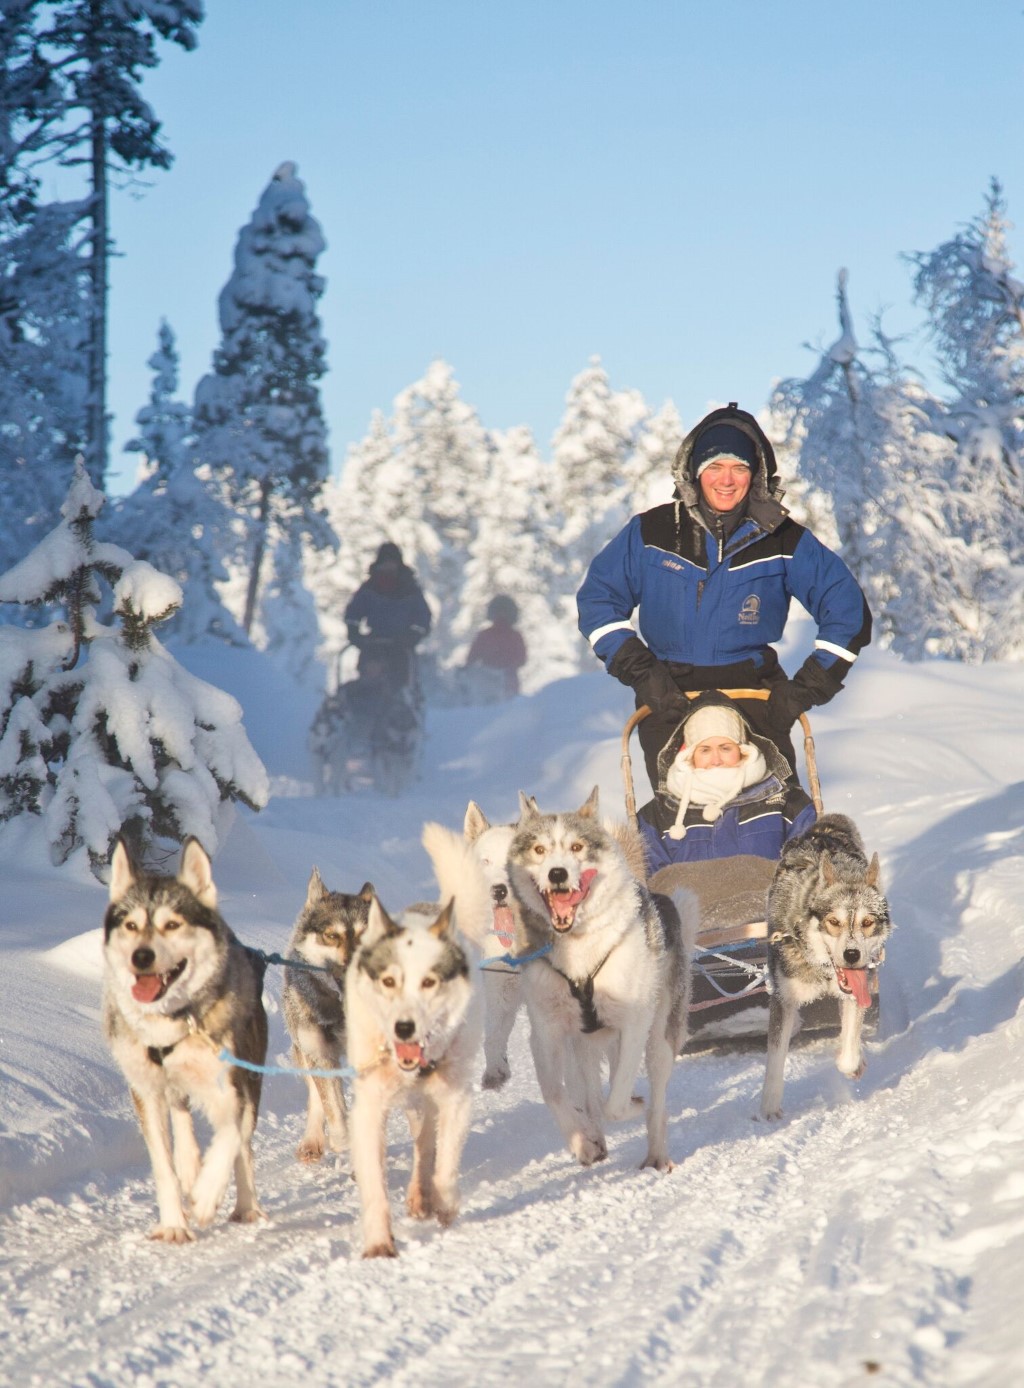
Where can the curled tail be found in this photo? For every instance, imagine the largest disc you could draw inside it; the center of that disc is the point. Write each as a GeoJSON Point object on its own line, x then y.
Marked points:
{"type": "Point", "coordinates": [460, 877]}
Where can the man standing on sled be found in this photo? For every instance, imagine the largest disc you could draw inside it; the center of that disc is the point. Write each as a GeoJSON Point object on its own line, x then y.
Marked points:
{"type": "Point", "coordinates": [711, 574]}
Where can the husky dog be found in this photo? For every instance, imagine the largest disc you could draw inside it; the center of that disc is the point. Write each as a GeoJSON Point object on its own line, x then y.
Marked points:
{"type": "Point", "coordinates": [179, 986]}
{"type": "Point", "coordinates": [325, 936]}
{"type": "Point", "coordinates": [828, 922]}
{"type": "Point", "coordinates": [413, 1034]}
{"type": "Point", "coordinates": [502, 984]}
{"type": "Point", "coordinates": [614, 985]}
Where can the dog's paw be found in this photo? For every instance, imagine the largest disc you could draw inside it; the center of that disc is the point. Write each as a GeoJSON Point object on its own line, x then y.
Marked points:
{"type": "Point", "coordinates": [251, 1214]}
{"type": "Point", "coordinates": [446, 1215]}
{"type": "Point", "coordinates": [309, 1151]}
{"type": "Point", "coordinates": [384, 1249]}
{"type": "Point", "coordinates": [172, 1233]}
{"type": "Point", "coordinates": [419, 1204]}
{"type": "Point", "coordinates": [657, 1163]}
{"type": "Point", "coordinates": [496, 1076]}
{"type": "Point", "coordinates": [588, 1150]}
{"type": "Point", "coordinates": [852, 1071]}
{"type": "Point", "coordinates": [204, 1211]}
{"type": "Point", "coordinates": [769, 1115]}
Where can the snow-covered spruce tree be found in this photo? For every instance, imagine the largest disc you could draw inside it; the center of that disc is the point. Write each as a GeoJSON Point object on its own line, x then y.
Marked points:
{"type": "Point", "coordinates": [96, 51]}
{"type": "Point", "coordinates": [361, 514]}
{"type": "Point", "coordinates": [164, 423]}
{"type": "Point", "coordinates": [595, 479]}
{"type": "Point", "coordinates": [44, 313]}
{"type": "Point", "coordinates": [176, 518]}
{"type": "Point", "coordinates": [649, 466]}
{"type": "Point", "coordinates": [976, 322]}
{"type": "Point", "coordinates": [873, 446]}
{"type": "Point", "coordinates": [258, 422]}
{"type": "Point", "coordinates": [432, 489]}
{"type": "Point", "coordinates": [513, 552]}
{"type": "Point", "coordinates": [101, 731]}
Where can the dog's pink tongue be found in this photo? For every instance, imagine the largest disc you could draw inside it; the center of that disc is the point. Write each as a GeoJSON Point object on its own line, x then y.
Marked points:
{"type": "Point", "coordinates": [856, 982]}
{"type": "Point", "coordinates": [147, 987]}
{"type": "Point", "coordinates": [503, 925]}
{"type": "Point", "coordinates": [408, 1053]}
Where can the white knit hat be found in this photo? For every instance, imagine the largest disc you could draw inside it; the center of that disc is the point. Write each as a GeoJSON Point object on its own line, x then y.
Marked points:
{"type": "Point", "coordinates": [713, 720]}
{"type": "Point", "coordinates": [713, 787]}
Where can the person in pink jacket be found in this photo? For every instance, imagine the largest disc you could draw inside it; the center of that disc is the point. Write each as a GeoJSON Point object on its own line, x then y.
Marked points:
{"type": "Point", "coordinates": [500, 646]}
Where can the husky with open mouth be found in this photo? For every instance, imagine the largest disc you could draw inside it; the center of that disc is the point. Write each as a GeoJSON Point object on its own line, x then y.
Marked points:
{"type": "Point", "coordinates": [179, 987]}
{"type": "Point", "coordinates": [414, 1027]}
{"type": "Point", "coordinates": [828, 921]}
{"type": "Point", "coordinates": [613, 983]}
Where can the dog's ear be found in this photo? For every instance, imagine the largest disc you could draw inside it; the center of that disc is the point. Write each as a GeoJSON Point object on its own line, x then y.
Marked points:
{"type": "Point", "coordinates": [366, 892]}
{"type": "Point", "coordinates": [379, 924]}
{"type": "Point", "coordinates": [315, 891]}
{"type": "Point", "coordinates": [826, 871]}
{"type": "Point", "coordinates": [442, 929]}
{"type": "Point", "coordinates": [122, 871]}
{"type": "Point", "coordinates": [874, 871]}
{"type": "Point", "coordinates": [589, 810]}
{"type": "Point", "coordinates": [475, 823]}
{"type": "Point", "coordinates": [528, 808]}
{"type": "Point", "coordinates": [196, 873]}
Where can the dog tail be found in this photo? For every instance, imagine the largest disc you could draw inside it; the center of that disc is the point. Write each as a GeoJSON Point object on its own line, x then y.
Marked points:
{"type": "Point", "coordinates": [460, 879]}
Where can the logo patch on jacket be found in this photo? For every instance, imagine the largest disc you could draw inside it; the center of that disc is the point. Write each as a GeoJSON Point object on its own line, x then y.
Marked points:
{"type": "Point", "coordinates": [671, 564]}
{"type": "Point", "coordinates": [750, 612]}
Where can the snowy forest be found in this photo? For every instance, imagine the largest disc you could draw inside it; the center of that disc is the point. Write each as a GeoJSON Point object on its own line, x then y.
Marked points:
{"type": "Point", "coordinates": [249, 526]}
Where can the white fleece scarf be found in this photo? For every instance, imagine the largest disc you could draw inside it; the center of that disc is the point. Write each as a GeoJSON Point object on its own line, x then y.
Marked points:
{"type": "Point", "coordinates": [713, 786]}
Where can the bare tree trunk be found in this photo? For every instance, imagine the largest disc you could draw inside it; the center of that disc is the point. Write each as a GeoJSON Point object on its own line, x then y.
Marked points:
{"type": "Point", "coordinates": [97, 396]}
{"type": "Point", "coordinates": [259, 551]}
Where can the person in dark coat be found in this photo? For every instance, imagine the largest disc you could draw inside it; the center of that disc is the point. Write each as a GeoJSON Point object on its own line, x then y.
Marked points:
{"type": "Point", "coordinates": [711, 575]}
{"type": "Point", "coordinates": [387, 616]}
{"type": "Point", "coordinates": [722, 791]}
{"type": "Point", "coordinates": [500, 646]}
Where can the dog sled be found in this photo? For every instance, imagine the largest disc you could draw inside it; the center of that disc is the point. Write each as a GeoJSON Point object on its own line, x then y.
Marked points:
{"type": "Point", "coordinates": [368, 732]}
{"type": "Point", "coordinates": [729, 980]}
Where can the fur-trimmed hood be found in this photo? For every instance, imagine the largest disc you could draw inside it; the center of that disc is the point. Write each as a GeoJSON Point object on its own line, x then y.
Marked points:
{"type": "Point", "coordinates": [764, 502]}
{"type": "Point", "coordinates": [776, 763]}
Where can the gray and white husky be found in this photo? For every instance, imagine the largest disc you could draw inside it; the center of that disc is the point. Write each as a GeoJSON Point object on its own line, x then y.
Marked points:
{"type": "Point", "coordinates": [179, 986]}
{"type": "Point", "coordinates": [414, 1027]}
{"type": "Point", "coordinates": [828, 921]}
{"type": "Point", "coordinates": [502, 983]}
{"type": "Point", "coordinates": [325, 936]}
{"type": "Point", "coordinates": [614, 986]}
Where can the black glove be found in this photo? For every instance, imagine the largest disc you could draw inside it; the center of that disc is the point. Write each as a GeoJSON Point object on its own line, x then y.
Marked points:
{"type": "Point", "coordinates": [785, 705]}
{"type": "Point", "coordinates": [633, 664]}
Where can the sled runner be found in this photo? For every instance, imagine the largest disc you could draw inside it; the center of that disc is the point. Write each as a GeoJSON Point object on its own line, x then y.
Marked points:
{"type": "Point", "coordinates": [730, 993]}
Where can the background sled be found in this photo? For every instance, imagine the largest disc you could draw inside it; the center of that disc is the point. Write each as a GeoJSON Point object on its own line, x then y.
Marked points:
{"type": "Point", "coordinates": [730, 996]}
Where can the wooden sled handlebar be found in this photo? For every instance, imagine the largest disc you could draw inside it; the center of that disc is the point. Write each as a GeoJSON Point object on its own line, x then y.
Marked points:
{"type": "Point", "coordinates": [643, 711]}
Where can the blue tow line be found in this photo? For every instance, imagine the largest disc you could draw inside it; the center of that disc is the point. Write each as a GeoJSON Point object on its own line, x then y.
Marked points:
{"type": "Point", "coordinates": [345, 1072]}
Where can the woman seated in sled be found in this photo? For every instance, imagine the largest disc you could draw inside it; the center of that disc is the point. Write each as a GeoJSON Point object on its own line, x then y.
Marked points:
{"type": "Point", "coordinates": [723, 792]}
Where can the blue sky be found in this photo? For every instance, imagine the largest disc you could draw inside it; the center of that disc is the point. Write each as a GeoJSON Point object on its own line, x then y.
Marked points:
{"type": "Point", "coordinates": [517, 186]}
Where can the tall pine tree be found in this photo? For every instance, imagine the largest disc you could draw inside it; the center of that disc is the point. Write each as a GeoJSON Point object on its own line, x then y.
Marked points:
{"type": "Point", "coordinates": [258, 420]}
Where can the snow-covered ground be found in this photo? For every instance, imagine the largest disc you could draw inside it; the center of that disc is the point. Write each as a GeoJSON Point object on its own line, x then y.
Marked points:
{"type": "Point", "coordinates": [875, 1235]}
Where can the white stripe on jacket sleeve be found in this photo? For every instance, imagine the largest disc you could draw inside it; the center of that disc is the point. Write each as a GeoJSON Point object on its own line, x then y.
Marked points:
{"type": "Point", "coordinates": [595, 636]}
{"type": "Point", "coordinates": [835, 650]}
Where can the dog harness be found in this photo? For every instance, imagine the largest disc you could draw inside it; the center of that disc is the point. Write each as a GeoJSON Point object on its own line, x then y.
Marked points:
{"type": "Point", "coordinates": [583, 992]}
{"type": "Point", "coordinates": [157, 1054]}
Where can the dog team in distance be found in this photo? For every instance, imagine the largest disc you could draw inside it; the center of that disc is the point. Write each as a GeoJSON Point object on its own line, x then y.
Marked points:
{"type": "Point", "coordinates": [551, 912]}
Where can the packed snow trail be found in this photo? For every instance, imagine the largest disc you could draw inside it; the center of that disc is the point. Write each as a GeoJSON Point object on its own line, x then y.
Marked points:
{"type": "Point", "coordinates": [876, 1234]}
